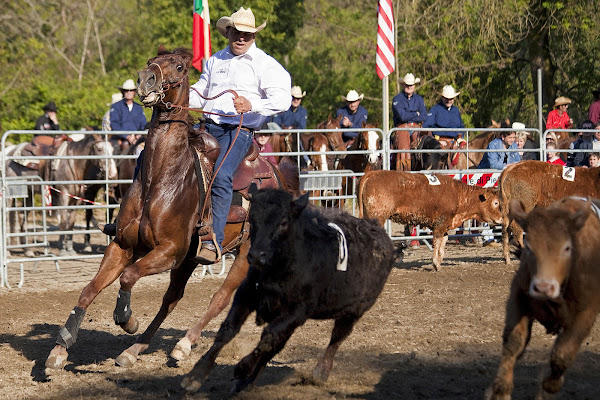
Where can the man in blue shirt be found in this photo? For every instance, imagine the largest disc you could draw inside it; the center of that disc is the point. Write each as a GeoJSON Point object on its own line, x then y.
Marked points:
{"type": "Point", "coordinates": [353, 114]}
{"type": "Point", "coordinates": [445, 115]}
{"type": "Point", "coordinates": [127, 115]}
{"type": "Point", "coordinates": [296, 116]}
{"type": "Point", "coordinates": [409, 110]}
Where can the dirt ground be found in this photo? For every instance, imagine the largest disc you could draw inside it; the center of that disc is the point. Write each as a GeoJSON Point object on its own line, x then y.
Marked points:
{"type": "Point", "coordinates": [431, 335]}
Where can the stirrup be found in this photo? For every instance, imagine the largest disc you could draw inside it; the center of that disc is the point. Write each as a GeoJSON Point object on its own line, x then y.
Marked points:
{"type": "Point", "coordinates": [208, 252]}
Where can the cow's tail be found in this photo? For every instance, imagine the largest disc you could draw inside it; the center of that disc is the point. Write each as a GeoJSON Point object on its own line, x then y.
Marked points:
{"type": "Point", "coordinates": [361, 189]}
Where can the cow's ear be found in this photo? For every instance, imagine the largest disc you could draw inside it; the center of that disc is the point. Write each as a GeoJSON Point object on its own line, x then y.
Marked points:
{"type": "Point", "coordinates": [252, 190]}
{"type": "Point", "coordinates": [300, 204]}
{"type": "Point", "coordinates": [580, 217]}
{"type": "Point", "coordinates": [517, 212]}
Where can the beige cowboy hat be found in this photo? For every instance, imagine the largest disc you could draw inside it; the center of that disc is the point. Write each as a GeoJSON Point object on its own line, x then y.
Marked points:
{"type": "Point", "coordinates": [242, 20]}
{"type": "Point", "coordinates": [449, 92]}
{"type": "Point", "coordinates": [297, 92]}
{"type": "Point", "coordinates": [353, 96]}
{"type": "Point", "coordinates": [561, 100]}
{"type": "Point", "coordinates": [128, 85]}
{"type": "Point", "coordinates": [410, 80]}
{"type": "Point", "coordinates": [114, 98]}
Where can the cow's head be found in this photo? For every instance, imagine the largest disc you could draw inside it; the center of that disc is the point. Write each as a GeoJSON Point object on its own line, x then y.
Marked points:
{"type": "Point", "coordinates": [550, 246]}
{"type": "Point", "coordinates": [489, 207]}
{"type": "Point", "coordinates": [273, 214]}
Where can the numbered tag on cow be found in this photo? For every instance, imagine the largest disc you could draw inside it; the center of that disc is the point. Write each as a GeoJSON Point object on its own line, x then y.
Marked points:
{"type": "Point", "coordinates": [568, 173]}
{"type": "Point", "coordinates": [433, 180]}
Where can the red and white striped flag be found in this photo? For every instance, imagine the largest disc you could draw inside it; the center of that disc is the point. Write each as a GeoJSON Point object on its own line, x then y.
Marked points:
{"type": "Point", "coordinates": [385, 59]}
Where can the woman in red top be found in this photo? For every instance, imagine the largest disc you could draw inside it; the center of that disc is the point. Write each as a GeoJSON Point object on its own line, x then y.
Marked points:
{"type": "Point", "coordinates": [558, 118]}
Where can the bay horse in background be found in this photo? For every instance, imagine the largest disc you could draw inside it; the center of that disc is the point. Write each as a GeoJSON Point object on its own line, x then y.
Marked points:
{"type": "Point", "coordinates": [404, 140]}
{"type": "Point", "coordinates": [365, 141]}
{"type": "Point", "coordinates": [157, 222]}
{"type": "Point", "coordinates": [327, 141]}
{"type": "Point", "coordinates": [479, 142]}
{"type": "Point", "coordinates": [77, 170]}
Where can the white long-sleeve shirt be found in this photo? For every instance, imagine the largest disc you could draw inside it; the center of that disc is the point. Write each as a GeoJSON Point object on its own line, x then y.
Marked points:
{"type": "Point", "coordinates": [255, 75]}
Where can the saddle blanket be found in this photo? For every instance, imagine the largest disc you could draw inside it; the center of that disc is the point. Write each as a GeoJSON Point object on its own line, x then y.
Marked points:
{"type": "Point", "coordinates": [19, 153]}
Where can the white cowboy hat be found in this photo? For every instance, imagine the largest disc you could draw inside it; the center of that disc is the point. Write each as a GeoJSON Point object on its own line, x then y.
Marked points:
{"type": "Point", "coordinates": [449, 92]}
{"type": "Point", "coordinates": [115, 97]}
{"type": "Point", "coordinates": [410, 80]}
{"type": "Point", "coordinates": [297, 92]}
{"type": "Point", "coordinates": [353, 96]}
{"type": "Point", "coordinates": [242, 20]}
{"type": "Point", "coordinates": [520, 127]}
{"type": "Point", "coordinates": [128, 85]}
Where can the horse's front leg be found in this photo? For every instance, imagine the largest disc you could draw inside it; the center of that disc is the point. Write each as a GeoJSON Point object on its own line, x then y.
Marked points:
{"type": "Point", "coordinates": [114, 262]}
{"type": "Point", "coordinates": [219, 301]}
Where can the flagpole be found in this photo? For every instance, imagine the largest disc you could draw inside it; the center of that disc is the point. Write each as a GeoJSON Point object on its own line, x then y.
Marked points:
{"type": "Point", "coordinates": [206, 35]}
{"type": "Point", "coordinates": [385, 125]}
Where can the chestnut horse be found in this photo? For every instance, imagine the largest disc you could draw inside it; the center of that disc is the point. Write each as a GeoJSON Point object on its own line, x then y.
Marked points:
{"type": "Point", "coordinates": [159, 213]}
{"type": "Point", "coordinates": [365, 141]}
{"type": "Point", "coordinates": [327, 141]}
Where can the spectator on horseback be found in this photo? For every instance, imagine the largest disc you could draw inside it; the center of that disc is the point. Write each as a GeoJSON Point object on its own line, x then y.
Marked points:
{"type": "Point", "coordinates": [500, 159]}
{"type": "Point", "coordinates": [445, 114]}
{"type": "Point", "coordinates": [558, 117]}
{"type": "Point", "coordinates": [263, 87]}
{"type": "Point", "coordinates": [594, 110]}
{"type": "Point", "coordinates": [296, 116]}
{"type": "Point", "coordinates": [352, 115]}
{"type": "Point", "coordinates": [127, 115]}
{"type": "Point", "coordinates": [48, 121]}
{"type": "Point", "coordinates": [408, 108]}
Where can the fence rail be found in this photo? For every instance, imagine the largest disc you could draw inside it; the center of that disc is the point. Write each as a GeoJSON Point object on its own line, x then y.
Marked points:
{"type": "Point", "coordinates": [24, 197]}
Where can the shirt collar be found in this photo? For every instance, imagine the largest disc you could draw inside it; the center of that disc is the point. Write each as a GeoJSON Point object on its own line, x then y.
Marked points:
{"type": "Point", "coordinates": [250, 54]}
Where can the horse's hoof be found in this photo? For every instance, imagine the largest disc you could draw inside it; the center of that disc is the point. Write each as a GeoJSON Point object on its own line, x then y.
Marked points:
{"type": "Point", "coordinates": [29, 253]}
{"type": "Point", "coordinates": [190, 385]}
{"type": "Point", "coordinates": [56, 361]}
{"type": "Point", "coordinates": [131, 326]}
{"type": "Point", "coordinates": [126, 359]}
{"type": "Point", "coordinates": [182, 349]}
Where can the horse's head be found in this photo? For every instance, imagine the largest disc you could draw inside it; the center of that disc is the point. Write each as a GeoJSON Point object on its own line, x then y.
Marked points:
{"type": "Point", "coordinates": [370, 140]}
{"type": "Point", "coordinates": [334, 137]}
{"type": "Point", "coordinates": [107, 166]}
{"type": "Point", "coordinates": [165, 80]}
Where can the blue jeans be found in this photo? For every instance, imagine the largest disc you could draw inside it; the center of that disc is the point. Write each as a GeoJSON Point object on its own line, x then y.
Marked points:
{"type": "Point", "coordinates": [222, 187]}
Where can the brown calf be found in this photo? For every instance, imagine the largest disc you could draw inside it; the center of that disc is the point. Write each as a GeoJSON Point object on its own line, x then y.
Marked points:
{"type": "Point", "coordinates": [410, 199]}
{"type": "Point", "coordinates": [537, 183]}
{"type": "Point", "coordinates": [557, 284]}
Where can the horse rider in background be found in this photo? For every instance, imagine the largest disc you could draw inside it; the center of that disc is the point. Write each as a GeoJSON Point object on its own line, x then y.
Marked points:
{"type": "Point", "coordinates": [48, 121]}
{"type": "Point", "coordinates": [445, 114]}
{"type": "Point", "coordinates": [408, 109]}
{"type": "Point", "coordinates": [352, 115]}
{"type": "Point", "coordinates": [127, 115]}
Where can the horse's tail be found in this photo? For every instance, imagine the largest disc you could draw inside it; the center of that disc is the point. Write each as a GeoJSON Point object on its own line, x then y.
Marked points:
{"type": "Point", "coordinates": [361, 189]}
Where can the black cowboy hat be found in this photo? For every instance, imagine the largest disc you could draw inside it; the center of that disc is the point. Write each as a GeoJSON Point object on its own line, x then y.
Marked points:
{"type": "Point", "coordinates": [50, 107]}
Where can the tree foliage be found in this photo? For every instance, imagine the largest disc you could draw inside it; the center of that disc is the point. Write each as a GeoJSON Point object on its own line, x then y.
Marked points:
{"type": "Point", "coordinates": [77, 52]}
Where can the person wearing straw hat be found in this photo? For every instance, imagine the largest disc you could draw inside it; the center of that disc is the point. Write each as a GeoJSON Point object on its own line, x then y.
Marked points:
{"type": "Point", "coordinates": [408, 109]}
{"type": "Point", "coordinates": [263, 88]}
{"type": "Point", "coordinates": [445, 114]}
{"type": "Point", "coordinates": [352, 115]}
{"type": "Point", "coordinates": [594, 109]}
{"type": "Point", "coordinates": [127, 115]}
{"type": "Point", "coordinates": [558, 117]}
{"type": "Point", "coordinates": [296, 116]}
{"type": "Point", "coordinates": [48, 121]}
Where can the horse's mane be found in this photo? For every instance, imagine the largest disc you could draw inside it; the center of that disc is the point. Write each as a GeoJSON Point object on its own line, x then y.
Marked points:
{"type": "Point", "coordinates": [180, 51]}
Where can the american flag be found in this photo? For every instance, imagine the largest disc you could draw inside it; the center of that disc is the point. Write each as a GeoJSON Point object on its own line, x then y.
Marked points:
{"type": "Point", "coordinates": [385, 60]}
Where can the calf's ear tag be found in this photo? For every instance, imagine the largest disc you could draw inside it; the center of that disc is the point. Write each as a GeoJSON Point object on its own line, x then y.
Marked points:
{"type": "Point", "coordinates": [433, 180]}
{"type": "Point", "coordinates": [568, 173]}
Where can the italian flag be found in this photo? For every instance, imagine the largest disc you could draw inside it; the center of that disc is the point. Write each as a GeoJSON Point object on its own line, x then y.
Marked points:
{"type": "Point", "coordinates": [201, 33]}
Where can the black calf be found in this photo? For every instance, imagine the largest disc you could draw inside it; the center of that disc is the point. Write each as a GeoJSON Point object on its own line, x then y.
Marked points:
{"type": "Point", "coordinates": [298, 271]}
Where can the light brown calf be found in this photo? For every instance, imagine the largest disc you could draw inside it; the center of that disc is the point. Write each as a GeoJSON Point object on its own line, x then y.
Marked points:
{"type": "Point", "coordinates": [557, 284]}
{"type": "Point", "coordinates": [410, 199]}
{"type": "Point", "coordinates": [537, 183]}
